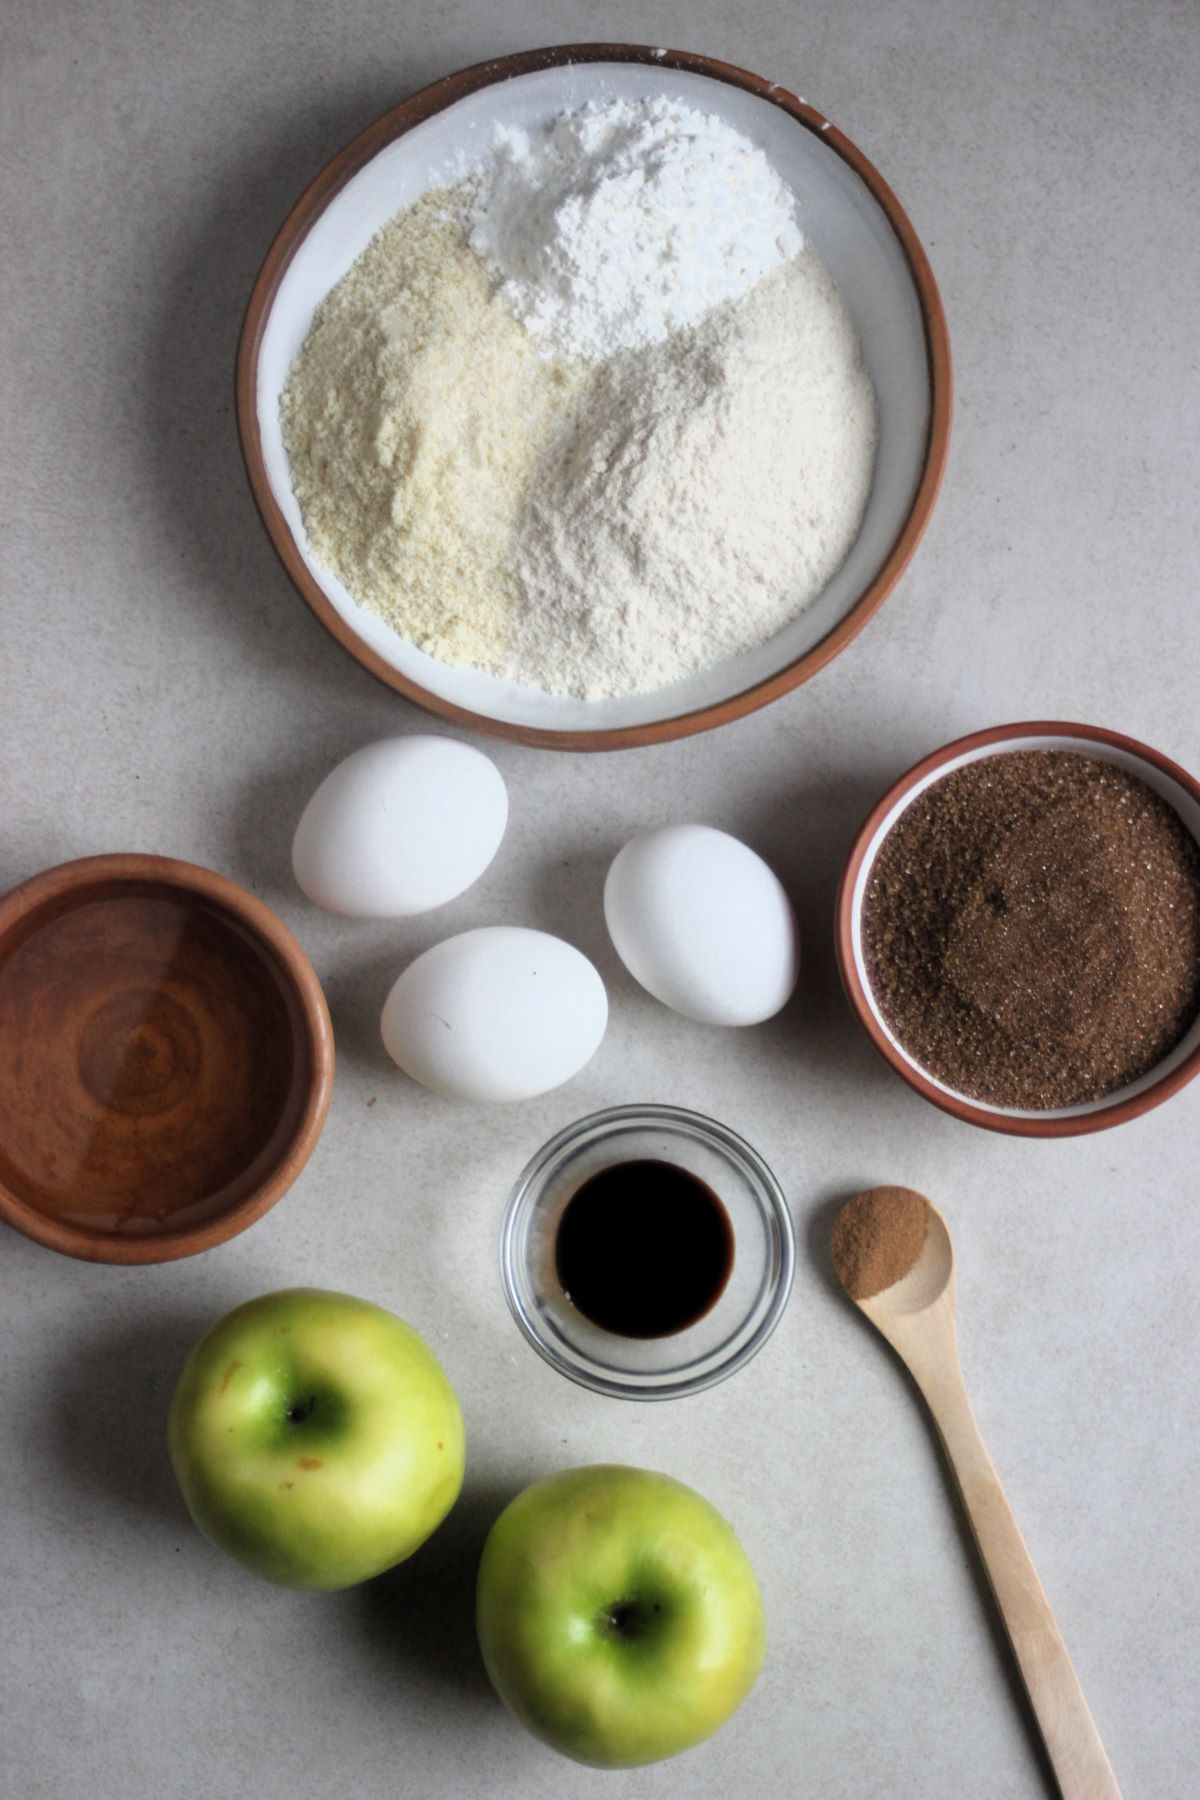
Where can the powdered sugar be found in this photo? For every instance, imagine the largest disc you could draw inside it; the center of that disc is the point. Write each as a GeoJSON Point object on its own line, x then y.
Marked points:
{"type": "Point", "coordinates": [625, 221]}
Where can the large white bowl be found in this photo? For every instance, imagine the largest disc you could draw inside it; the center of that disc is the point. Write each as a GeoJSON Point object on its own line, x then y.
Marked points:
{"type": "Point", "coordinates": [846, 211]}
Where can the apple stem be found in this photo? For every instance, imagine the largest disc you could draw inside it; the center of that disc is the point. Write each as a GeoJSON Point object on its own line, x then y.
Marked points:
{"type": "Point", "coordinates": [628, 1618]}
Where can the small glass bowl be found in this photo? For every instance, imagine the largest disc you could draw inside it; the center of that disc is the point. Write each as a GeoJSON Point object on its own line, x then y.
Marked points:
{"type": "Point", "coordinates": [742, 1317]}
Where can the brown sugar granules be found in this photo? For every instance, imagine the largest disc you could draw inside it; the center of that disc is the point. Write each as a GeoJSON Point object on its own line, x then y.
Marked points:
{"type": "Point", "coordinates": [877, 1239]}
{"type": "Point", "coordinates": [1032, 929]}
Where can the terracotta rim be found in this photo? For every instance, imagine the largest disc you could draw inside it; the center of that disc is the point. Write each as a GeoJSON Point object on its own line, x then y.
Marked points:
{"type": "Point", "coordinates": [973, 1112]}
{"type": "Point", "coordinates": [261, 922]}
{"type": "Point", "coordinates": [434, 99]}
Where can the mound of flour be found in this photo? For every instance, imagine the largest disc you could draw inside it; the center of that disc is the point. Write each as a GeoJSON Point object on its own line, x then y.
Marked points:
{"type": "Point", "coordinates": [625, 221]}
{"type": "Point", "coordinates": [704, 491]}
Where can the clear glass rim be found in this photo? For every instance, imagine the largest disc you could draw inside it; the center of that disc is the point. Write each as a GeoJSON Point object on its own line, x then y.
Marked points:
{"type": "Point", "coordinates": [781, 1270]}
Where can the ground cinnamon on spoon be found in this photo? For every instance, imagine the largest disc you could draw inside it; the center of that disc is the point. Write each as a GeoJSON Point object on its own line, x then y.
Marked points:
{"type": "Point", "coordinates": [878, 1238]}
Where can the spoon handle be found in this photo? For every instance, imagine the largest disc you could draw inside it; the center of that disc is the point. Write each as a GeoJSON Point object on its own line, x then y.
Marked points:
{"type": "Point", "coordinates": [1076, 1753]}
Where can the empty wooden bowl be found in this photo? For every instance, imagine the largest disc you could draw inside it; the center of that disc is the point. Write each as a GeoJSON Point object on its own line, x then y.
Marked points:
{"type": "Point", "coordinates": [166, 1059]}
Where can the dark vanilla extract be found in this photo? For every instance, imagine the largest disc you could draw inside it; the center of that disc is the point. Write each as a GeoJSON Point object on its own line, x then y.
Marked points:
{"type": "Point", "coordinates": [643, 1249]}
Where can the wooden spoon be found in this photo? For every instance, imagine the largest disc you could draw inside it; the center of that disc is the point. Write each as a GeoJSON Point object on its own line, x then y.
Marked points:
{"type": "Point", "coordinates": [916, 1316]}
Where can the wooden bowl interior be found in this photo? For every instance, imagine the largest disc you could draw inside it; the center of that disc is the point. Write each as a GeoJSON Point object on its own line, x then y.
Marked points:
{"type": "Point", "coordinates": [157, 1066]}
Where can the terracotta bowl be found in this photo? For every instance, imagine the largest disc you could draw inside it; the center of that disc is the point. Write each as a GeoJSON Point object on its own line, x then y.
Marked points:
{"type": "Point", "coordinates": [1175, 785]}
{"type": "Point", "coordinates": [166, 1059]}
{"type": "Point", "coordinates": [849, 214]}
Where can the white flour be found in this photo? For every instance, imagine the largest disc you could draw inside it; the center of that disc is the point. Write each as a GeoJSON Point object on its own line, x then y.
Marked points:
{"type": "Point", "coordinates": [707, 490]}
{"type": "Point", "coordinates": [623, 222]}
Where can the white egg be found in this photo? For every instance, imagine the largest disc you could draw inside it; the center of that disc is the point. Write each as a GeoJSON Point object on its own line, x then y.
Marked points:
{"type": "Point", "coordinates": [701, 921]}
{"type": "Point", "coordinates": [501, 1013]}
{"type": "Point", "coordinates": [399, 827]}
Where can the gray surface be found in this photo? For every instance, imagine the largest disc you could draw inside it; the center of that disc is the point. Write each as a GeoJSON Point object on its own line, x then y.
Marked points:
{"type": "Point", "coordinates": [164, 690]}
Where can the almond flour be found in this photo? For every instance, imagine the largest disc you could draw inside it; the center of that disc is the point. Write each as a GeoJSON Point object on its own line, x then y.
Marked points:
{"type": "Point", "coordinates": [413, 419]}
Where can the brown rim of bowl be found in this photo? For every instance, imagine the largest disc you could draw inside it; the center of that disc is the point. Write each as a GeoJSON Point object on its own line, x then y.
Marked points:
{"type": "Point", "coordinates": [257, 918]}
{"type": "Point", "coordinates": [971, 1112]}
{"type": "Point", "coordinates": [413, 111]}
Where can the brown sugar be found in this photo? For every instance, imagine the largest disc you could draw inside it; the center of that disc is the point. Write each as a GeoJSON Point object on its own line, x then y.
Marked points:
{"type": "Point", "coordinates": [878, 1238]}
{"type": "Point", "coordinates": [1032, 929]}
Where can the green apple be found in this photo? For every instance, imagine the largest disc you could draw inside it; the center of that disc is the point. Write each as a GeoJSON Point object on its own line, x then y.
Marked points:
{"type": "Point", "coordinates": [316, 1438]}
{"type": "Point", "coordinates": [618, 1615]}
